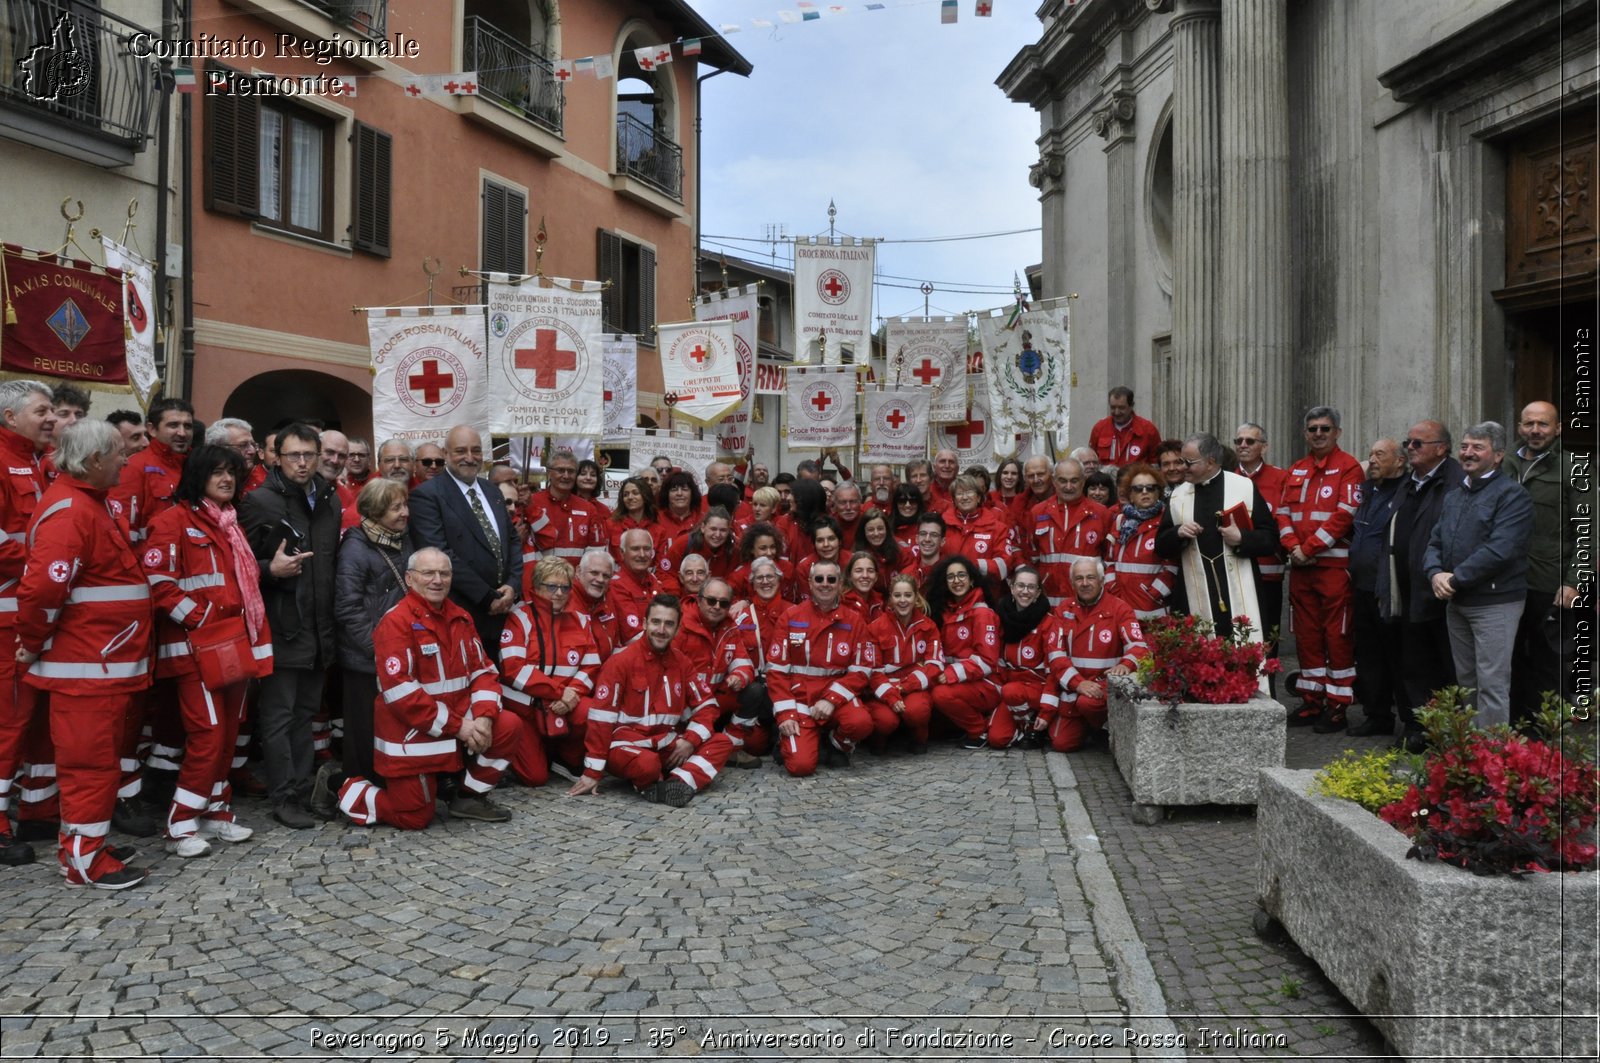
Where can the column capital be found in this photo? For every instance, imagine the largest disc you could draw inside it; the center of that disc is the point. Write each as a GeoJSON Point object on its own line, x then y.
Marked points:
{"type": "Point", "coordinates": [1188, 10]}
{"type": "Point", "coordinates": [1045, 175]}
{"type": "Point", "coordinates": [1113, 120]}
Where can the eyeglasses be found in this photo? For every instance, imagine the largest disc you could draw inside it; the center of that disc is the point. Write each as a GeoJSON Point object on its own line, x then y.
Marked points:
{"type": "Point", "coordinates": [432, 573]}
{"type": "Point", "coordinates": [1142, 487]}
{"type": "Point", "coordinates": [298, 456]}
{"type": "Point", "coordinates": [1244, 441]}
{"type": "Point", "coordinates": [824, 579]}
{"type": "Point", "coordinates": [1318, 429]}
{"type": "Point", "coordinates": [1192, 462]}
{"type": "Point", "coordinates": [557, 588]}
{"type": "Point", "coordinates": [957, 574]}
{"type": "Point", "coordinates": [1418, 444]}
{"type": "Point", "coordinates": [720, 602]}
{"type": "Point", "coordinates": [432, 463]}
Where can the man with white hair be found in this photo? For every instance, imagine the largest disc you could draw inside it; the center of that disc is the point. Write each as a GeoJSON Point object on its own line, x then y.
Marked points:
{"type": "Point", "coordinates": [1086, 457]}
{"type": "Point", "coordinates": [235, 434]}
{"type": "Point", "coordinates": [1101, 637]}
{"type": "Point", "coordinates": [395, 460]}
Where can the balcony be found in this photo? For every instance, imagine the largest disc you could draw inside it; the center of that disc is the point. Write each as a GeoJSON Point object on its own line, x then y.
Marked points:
{"type": "Point", "coordinates": [68, 81]}
{"type": "Point", "coordinates": [647, 156]}
{"type": "Point", "coordinates": [367, 18]}
{"type": "Point", "coordinates": [513, 74]}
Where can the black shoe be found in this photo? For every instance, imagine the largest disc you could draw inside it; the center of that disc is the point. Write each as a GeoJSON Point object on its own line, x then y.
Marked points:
{"type": "Point", "coordinates": [919, 749]}
{"type": "Point", "coordinates": [291, 815]}
{"type": "Point", "coordinates": [115, 880]}
{"type": "Point", "coordinates": [38, 830]}
{"type": "Point", "coordinates": [449, 787]}
{"type": "Point", "coordinates": [122, 854]}
{"type": "Point", "coordinates": [1307, 714]}
{"type": "Point", "coordinates": [129, 818]}
{"type": "Point", "coordinates": [468, 805]}
{"type": "Point", "coordinates": [324, 803]}
{"type": "Point", "coordinates": [1330, 722]}
{"type": "Point", "coordinates": [1414, 740]}
{"type": "Point", "coordinates": [652, 793]}
{"type": "Point", "coordinates": [1373, 725]}
{"type": "Point", "coordinates": [675, 792]}
{"type": "Point", "coordinates": [834, 757]}
{"type": "Point", "coordinates": [975, 742]}
{"type": "Point", "coordinates": [14, 853]}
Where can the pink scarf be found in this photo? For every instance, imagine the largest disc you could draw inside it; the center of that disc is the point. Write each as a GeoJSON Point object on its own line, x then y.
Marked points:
{"type": "Point", "coordinates": [245, 571]}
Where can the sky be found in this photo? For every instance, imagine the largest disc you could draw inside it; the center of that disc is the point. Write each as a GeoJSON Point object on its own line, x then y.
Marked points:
{"type": "Point", "coordinates": [893, 116]}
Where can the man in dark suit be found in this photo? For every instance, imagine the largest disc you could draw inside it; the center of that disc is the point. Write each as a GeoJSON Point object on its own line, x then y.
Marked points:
{"type": "Point", "coordinates": [466, 517]}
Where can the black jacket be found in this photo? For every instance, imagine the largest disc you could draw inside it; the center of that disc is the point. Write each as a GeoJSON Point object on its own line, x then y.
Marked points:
{"type": "Point", "coordinates": [1416, 511]}
{"type": "Point", "coordinates": [299, 608]}
{"type": "Point", "coordinates": [1369, 537]}
{"type": "Point", "coordinates": [365, 587]}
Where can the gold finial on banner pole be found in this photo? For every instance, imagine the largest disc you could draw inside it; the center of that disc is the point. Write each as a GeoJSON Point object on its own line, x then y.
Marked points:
{"type": "Point", "coordinates": [438, 267]}
{"type": "Point", "coordinates": [541, 236]}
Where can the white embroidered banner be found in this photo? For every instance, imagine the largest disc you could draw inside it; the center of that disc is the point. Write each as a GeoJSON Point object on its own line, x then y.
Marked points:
{"type": "Point", "coordinates": [738, 305]}
{"type": "Point", "coordinates": [1028, 369]}
{"type": "Point", "coordinates": [621, 395]}
{"type": "Point", "coordinates": [931, 352]}
{"type": "Point", "coordinates": [138, 315]}
{"type": "Point", "coordinates": [430, 371]}
{"type": "Point", "coordinates": [833, 294]}
{"type": "Point", "coordinates": [699, 369]}
{"type": "Point", "coordinates": [546, 366]}
{"type": "Point", "coordinates": [894, 424]}
{"type": "Point", "coordinates": [690, 455]}
{"type": "Point", "coordinates": [970, 438]}
{"type": "Point", "coordinates": [821, 407]}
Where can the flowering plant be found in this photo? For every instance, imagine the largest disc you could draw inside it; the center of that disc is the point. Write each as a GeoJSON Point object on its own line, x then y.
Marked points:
{"type": "Point", "coordinates": [1495, 802]}
{"type": "Point", "coordinates": [1188, 662]}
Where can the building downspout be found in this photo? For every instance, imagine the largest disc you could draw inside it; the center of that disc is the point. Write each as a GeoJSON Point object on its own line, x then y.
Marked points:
{"type": "Point", "coordinates": [163, 184]}
{"type": "Point", "coordinates": [186, 201]}
{"type": "Point", "coordinates": [699, 170]}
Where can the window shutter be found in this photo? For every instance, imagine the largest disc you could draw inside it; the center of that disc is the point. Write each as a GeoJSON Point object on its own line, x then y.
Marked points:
{"type": "Point", "coordinates": [611, 300]}
{"type": "Point", "coordinates": [371, 196]}
{"type": "Point", "coordinates": [505, 244]}
{"type": "Point", "coordinates": [516, 232]}
{"type": "Point", "coordinates": [647, 295]}
{"type": "Point", "coordinates": [232, 131]}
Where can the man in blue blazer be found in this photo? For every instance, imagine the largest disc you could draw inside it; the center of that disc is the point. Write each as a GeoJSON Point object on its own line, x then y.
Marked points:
{"type": "Point", "coordinates": [463, 515]}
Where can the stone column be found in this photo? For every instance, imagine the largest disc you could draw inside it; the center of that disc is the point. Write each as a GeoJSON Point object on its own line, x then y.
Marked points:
{"type": "Point", "coordinates": [1196, 217]}
{"type": "Point", "coordinates": [1257, 324]}
{"type": "Point", "coordinates": [1113, 121]}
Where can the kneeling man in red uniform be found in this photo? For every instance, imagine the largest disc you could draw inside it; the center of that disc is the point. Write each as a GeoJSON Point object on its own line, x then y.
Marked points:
{"type": "Point", "coordinates": [1102, 637]}
{"type": "Point", "coordinates": [437, 691]}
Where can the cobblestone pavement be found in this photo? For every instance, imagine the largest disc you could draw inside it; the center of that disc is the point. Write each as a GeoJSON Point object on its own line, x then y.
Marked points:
{"type": "Point", "coordinates": [929, 894]}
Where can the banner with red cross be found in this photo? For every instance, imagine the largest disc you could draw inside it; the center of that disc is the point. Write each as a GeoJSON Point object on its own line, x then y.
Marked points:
{"type": "Point", "coordinates": [739, 306]}
{"type": "Point", "coordinates": [699, 370]}
{"type": "Point", "coordinates": [833, 295]}
{"type": "Point", "coordinates": [971, 438]}
{"type": "Point", "coordinates": [546, 359]}
{"type": "Point", "coordinates": [931, 353]}
{"type": "Point", "coordinates": [430, 371]}
{"type": "Point", "coordinates": [820, 407]}
{"type": "Point", "coordinates": [421, 86]}
{"type": "Point", "coordinates": [138, 315]}
{"type": "Point", "coordinates": [894, 424]}
{"type": "Point", "coordinates": [621, 394]}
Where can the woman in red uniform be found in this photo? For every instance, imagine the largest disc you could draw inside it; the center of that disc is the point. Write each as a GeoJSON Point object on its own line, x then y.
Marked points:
{"type": "Point", "coordinates": [712, 539]}
{"type": "Point", "coordinates": [677, 509]}
{"type": "Point", "coordinates": [827, 545]}
{"type": "Point", "coordinates": [969, 631]}
{"type": "Point", "coordinates": [979, 532]}
{"type": "Point", "coordinates": [548, 660]}
{"type": "Point", "coordinates": [1030, 639]}
{"type": "Point", "coordinates": [1138, 575]}
{"type": "Point", "coordinates": [760, 540]}
{"type": "Point", "coordinates": [1007, 485]}
{"type": "Point", "coordinates": [861, 587]}
{"type": "Point", "coordinates": [910, 662]}
{"type": "Point", "coordinates": [764, 505]}
{"type": "Point", "coordinates": [636, 508]}
{"type": "Point", "coordinates": [907, 505]}
{"type": "Point", "coordinates": [874, 537]}
{"type": "Point", "coordinates": [202, 573]}
{"type": "Point", "coordinates": [589, 482]}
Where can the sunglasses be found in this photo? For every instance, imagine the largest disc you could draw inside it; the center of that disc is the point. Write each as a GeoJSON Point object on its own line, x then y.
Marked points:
{"type": "Point", "coordinates": [1318, 429]}
{"type": "Point", "coordinates": [557, 588]}
{"type": "Point", "coordinates": [432, 463]}
{"type": "Point", "coordinates": [722, 602]}
{"type": "Point", "coordinates": [824, 579]}
{"type": "Point", "coordinates": [1418, 444]}
{"type": "Point", "coordinates": [1143, 487]}
{"type": "Point", "coordinates": [1241, 441]}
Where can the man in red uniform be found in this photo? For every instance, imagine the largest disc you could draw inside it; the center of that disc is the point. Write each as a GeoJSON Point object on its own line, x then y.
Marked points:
{"type": "Point", "coordinates": [1102, 637]}
{"type": "Point", "coordinates": [1124, 437]}
{"type": "Point", "coordinates": [590, 595]}
{"type": "Point", "coordinates": [1036, 477]}
{"type": "Point", "coordinates": [817, 667]}
{"type": "Point", "coordinates": [716, 647]}
{"type": "Point", "coordinates": [651, 721]}
{"type": "Point", "coordinates": [847, 511]}
{"type": "Point", "coordinates": [560, 523]}
{"type": "Point", "coordinates": [439, 692]}
{"type": "Point", "coordinates": [1065, 529]}
{"type": "Point", "coordinates": [1316, 512]}
{"type": "Point", "coordinates": [1250, 444]}
{"type": "Point", "coordinates": [30, 423]}
{"type": "Point", "coordinates": [946, 464]}
{"type": "Point", "coordinates": [634, 586]}
{"type": "Point", "coordinates": [149, 479]}
{"type": "Point", "coordinates": [84, 628]}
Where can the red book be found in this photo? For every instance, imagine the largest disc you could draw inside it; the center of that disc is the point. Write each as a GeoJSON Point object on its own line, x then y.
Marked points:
{"type": "Point", "coordinates": [1238, 514]}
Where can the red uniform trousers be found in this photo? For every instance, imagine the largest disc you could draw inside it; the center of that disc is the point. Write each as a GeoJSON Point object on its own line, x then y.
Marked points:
{"type": "Point", "coordinates": [1019, 697]}
{"type": "Point", "coordinates": [919, 711]}
{"type": "Point", "coordinates": [406, 801]}
{"type": "Point", "coordinates": [643, 766]}
{"type": "Point", "coordinates": [87, 730]}
{"type": "Point", "coordinates": [25, 744]}
{"type": "Point", "coordinates": [212, 722]}
{"type": "Point", "coordinates": [530, 759]}
{"type": "Point", "coordinates": [967, 705]}
{"type": "Point", "coordinates": [1073, 719]}
{"type": "Point", "coordinates": [1319, 608]}
{"type": "Point", "coordinates": [845, 726]}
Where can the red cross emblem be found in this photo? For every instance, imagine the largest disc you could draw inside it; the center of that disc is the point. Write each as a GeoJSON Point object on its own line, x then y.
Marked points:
{"type": "Point", "coordinates": [647, 63]}
{"type": "Point", "coordinates": [965, 435]}
{"type": "Point", "coordinates": [927, 372]}
{"type": "Point", "coordinates": [698, 354]}
{"type": "Point", "coordinates": [431, 381]}
{"type": "Point", "coordinates": [469, 88]}
{"type": "Point", "coordinates": [895, 418]}
{"type": "Point", "coordinates": [833, 286]}
{"type": "Point", "coordinates": [413, 90]}
{"type": "Point", "coordinates": [451, 86]}
{"type": "Point", "coordinates": [983, 9]}
{"type": "Point", "coordinates": [545, 358]}
{"type": "Point", "coordinates": [664, 55]}
{"type": "Point", "coordinates": [822, 400]}
{"type": "Point", "coordinates": [562, 73]}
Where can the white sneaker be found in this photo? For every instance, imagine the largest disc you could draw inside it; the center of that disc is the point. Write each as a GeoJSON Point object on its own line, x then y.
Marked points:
{"type": "Point", "coordinates": [225, 830]}
{"type": "Point", "coordinates": [190, 845]}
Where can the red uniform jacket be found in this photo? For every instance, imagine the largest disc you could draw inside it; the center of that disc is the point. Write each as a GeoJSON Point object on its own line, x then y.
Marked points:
{"type": "Point", "coordinates": [1039, 654]}
{"type": "Point", "coordinates": [1269, 485]}
{"type": "Point", "coordinates": [564, 528]}
{"type": "Point", "coordinates": [1098, 637]}
{"type": "Point", "coordinates": [646, 700]}
{"type": "Point", "coordinates": [146, 486]}
{"type": "Point", "coordinates": [602, 621]}
{"type": "Point", "coordinates": [1060, 534]}
{"type": "Point", "coordinates": [870, 606]}
{"type": "Point", "coordinates": [817, 656]}
{"type": "Point", "coordinates": [721, 562]}
{"type": "Point", "coordinates": [189, 564]}
{"type": "Point", "coordinates": [1317, 508]}
{"type": "Point", "coordinates": [1137, 574]}
{"type": "Point", "coordinates": [542, 657]}
{"type": "Point", "coordinates": [758, 621]}
{"type": "Point", "coordinates": [909, 656]}
{"type": "Point", "coordinates": [984, 537]}
{"type": "Point", "coordinates": [629, 599]}
{"type": "Point", "coordinates": [616, 526]}
{"type": "Point", "coordinates": [717, 656]}
{"type": "Point", "coordinates": [21, 488]}
{"type": "Point", "coordinates": [1136, 441]}
{"type": "Point", "coordinates": [84, 592]}
{"type": "Point", "coordinates": [432, 673]}
{"type": "Point", "coordinates": [667, 527]}
{"type": "Point", "coordinates": [970, 635]}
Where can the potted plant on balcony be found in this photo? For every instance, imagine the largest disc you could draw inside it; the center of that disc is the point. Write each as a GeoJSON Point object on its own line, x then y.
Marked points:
{"type": "Point", "coordinates": [1452, 900]}
{"type": "Point", "coordinates": [1193, 726]}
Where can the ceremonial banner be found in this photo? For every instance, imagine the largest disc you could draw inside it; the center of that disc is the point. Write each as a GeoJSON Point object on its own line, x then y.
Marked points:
{"type": "Point", "coordinates": [138, 315]}
{"type": "Point", "coordinates": [931, 352]}
{"type": "Point", "coordinates": [63, 319]}
{"type": "Point", "coordinates": [699, 369]}
{"type": "Point", "coordinates": [430, 371]}
{"type": "Point", "coordinates": [740, 307]}
{"type": "Point", "coordinates": [894, 425]}
{"type": "Point", "coordinates": [821, 407]}
{"type": "Point", "coordinates": [970, 439]}
{"type": "Point", "coordinates": [622, 388]}
{"type": "Point", "coordinates": [690, 455]}
{"type": "Point", "coordinates": [833, 294]}
{"type": "Point", "coordinates": [1028, 367]}
{"type": "Point", "coordinates": [546, 366]}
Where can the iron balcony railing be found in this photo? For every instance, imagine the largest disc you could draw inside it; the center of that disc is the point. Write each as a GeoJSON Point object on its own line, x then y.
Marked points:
{"type": "Point", "coordinates": [369, 18]}
{"type": "Point", "coordinates": [649, 156]}
{"type": "Point", "coordinates": [74, 64]}
{"type": "Point", "coordinates": [513, 74]}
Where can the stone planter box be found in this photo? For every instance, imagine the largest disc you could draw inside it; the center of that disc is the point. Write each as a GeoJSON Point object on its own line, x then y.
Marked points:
{"type": "Point", "coordinates": [1447, 964]}
{"type": "Point", "coordinates": [1191, 754]}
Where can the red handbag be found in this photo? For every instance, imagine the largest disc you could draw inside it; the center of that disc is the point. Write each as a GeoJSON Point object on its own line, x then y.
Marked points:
{"type": "Point", "coordinates": [222, 650]}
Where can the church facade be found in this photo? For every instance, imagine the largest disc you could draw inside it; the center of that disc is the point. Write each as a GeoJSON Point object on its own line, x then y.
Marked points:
{"type": "Point", "coordinates": [1263, 206]}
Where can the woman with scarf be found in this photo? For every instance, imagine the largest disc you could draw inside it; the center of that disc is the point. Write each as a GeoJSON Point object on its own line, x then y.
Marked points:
{"type": "Point", "coordinates": [636, 508]}
{"type": "Point", "coordinates": [548, 660]}
{"type": "Point", "coordinates": [906, 506]}
{"type": "Point", "coordinates": [369, 581]}
{"type": "Point", "coordinates": [910, 662]}
{"type": "Point", "coordinates": [967, 691]}
{"type": "Point", "coordinates": [1137, 574]}
{"type": "Point", "coordinates": [203, 575]}
{"type": "Point", "coordinates": [1030, 641]}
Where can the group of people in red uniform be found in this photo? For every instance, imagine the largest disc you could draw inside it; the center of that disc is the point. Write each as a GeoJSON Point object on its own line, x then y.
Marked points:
{"type": "Point", "coordinates": [657, 639]}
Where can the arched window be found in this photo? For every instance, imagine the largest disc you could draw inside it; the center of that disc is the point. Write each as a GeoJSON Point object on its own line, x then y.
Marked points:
{"type": "Point", "coordinates": [647, 146]}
